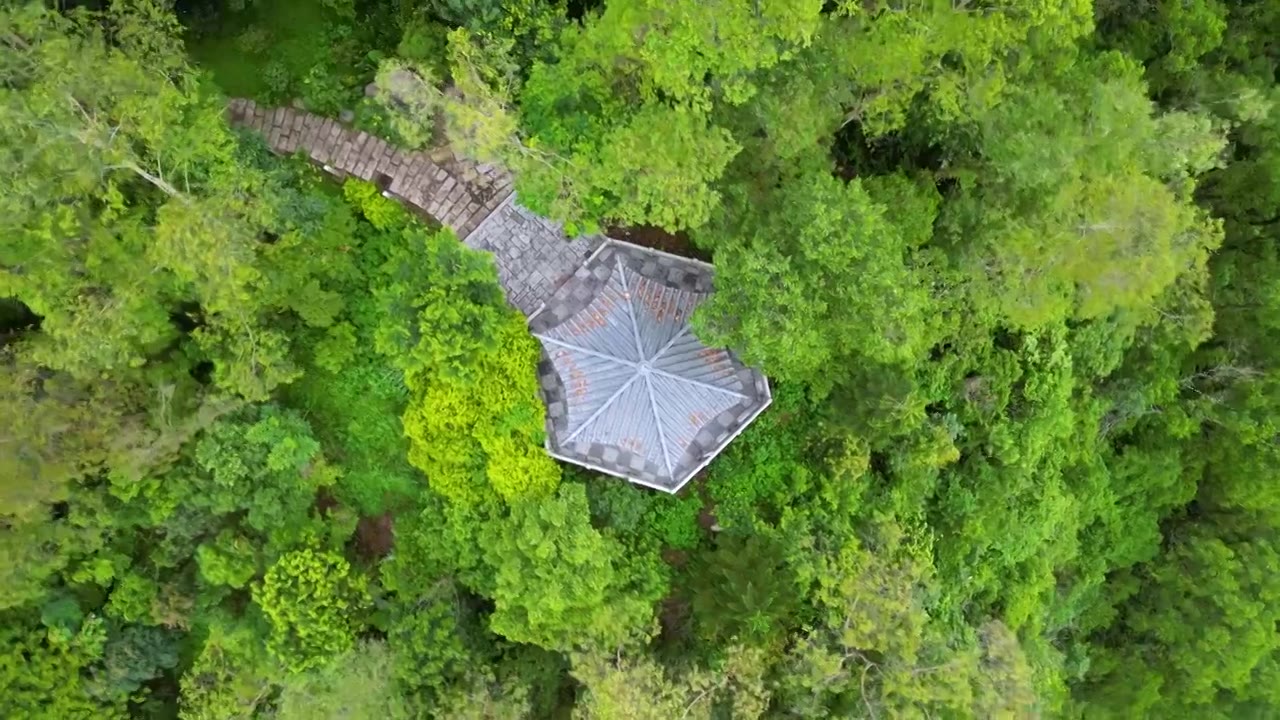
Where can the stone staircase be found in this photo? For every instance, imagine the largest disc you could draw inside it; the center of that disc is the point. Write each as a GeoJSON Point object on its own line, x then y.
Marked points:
{"type": "Point", "coordinates": [456, 192]}
{"type": "Point", "coordinates": [475, 200]}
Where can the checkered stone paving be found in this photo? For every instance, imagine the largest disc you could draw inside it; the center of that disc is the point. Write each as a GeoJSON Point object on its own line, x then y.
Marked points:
{"type": "Point", "coordinates": [534, 257]}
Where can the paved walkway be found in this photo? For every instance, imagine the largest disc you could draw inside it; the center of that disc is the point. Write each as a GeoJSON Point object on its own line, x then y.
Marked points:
{"type": "Point", "coordinates": [475, 200]}
{"type": "Point", "coordinates": [534, 258]}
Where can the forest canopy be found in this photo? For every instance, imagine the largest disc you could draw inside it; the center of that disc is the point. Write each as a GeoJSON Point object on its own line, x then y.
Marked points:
{"type": "Point", "coordinates": [271, 444]}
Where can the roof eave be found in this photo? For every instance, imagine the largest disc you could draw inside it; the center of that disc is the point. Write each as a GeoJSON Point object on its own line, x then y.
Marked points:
{"type": "Point", "coordinates": [611, 471]}
{"type": "Point", "coordinates": [768, 400]}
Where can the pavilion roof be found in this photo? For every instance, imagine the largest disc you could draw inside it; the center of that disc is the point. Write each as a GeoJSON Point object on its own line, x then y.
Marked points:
{"type": "Point", "coordinates": [630, 389]}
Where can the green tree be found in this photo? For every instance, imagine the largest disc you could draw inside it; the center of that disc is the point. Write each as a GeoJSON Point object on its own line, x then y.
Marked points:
{"type": "Point", "coordinates": [430, 655]}
{"type": "Point", "coordinates": [232, 676]}
{"type": "Point", "coordinates": [814, 275]}
{"type": "Point", "coordinates": [528, 25]}
{"type": "Point", "coordinates": [474, 420]}
{"type": "Point", "coordinates": [129, 201]}
{"type": "Point", "coordinates": [64, 434]}
{"type": "Point", "coordinates": [275, 447]}
{"type": "Point", "coordinates": [486, 699]}
{"type": "Point", "coordinates": [1180, 634]}
{"type": "Point", "coordinates": [744, 591]}
{"type": "Point", "coordinates": [1081, 204]}
{"type": "Point", "coordinates": [358, 685]}
{"type": "Point", "coordinates": [559, 583]}
{"type": "Point", "coordinates": [230, 560]}
{"type": "Point", "coordinates": [875, 650]}
{"type": "Point", "coordinates": [1198, 638]}
{"type": "Point", "coordinates": [639, 688]}
{"type": "Point", "coordinates": [244, 492]}
{"type": "Point", "coordinates": [133, 656]}
{"type": "Point", "coordinates": [626, 112]}
{"type": "Point", "coordinates": [1170, 38]}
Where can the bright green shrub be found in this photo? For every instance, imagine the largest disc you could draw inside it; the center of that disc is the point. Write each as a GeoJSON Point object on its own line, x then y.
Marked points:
{"type": "Point", "coordinates": [231, 560]}
{"type": "Point", "coordinates": [674, 521]}
{"type": "Point", "coordinates": [42, 674]}
{"type": "Point", "coordinates": [381, 212]}
{"type": "Point", "coordinates": [474, 420]}
{"type": "Point", "coordinates": [473, 437]}
{"type": "Point", "coordinates": [313, 600]}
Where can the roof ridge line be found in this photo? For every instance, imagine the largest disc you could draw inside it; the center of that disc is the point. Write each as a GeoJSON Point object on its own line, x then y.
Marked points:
{"type": "Point", "coordinates": [586, 351]}
{"type": "Point", "coordinates": [631, 309]}
{"type": "Point", "coordinates": [643, 367]}
{"type": "Point", "coordinates": [657, 423]}
{"type": "Point", "coordinates": [686, 330]}
{"type": "Point", "coordinates": [709, 386]}
{"type": "Point", "coordinates": [605, 406]}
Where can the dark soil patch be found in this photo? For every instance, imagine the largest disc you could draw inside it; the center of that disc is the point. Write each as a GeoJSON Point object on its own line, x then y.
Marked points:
{"type": "Point", "coordinates": [375, 536]}
{"type": "Point", "coordinates": [707, 516]}
{"type": "Point", "coordinates": [675, 618]}
{"type": "Point", "coordinates": [707, 513]}
{"type": "Point", "coordinates": [16, 318]}
{"type": "Point", "coordinates": [659, 239]}
{"type": "Point", "coordinates": [324, 500]}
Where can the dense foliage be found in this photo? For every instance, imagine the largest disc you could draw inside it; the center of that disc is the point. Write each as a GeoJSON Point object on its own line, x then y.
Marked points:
{"type": "Point", "coordinates": [271, 447]}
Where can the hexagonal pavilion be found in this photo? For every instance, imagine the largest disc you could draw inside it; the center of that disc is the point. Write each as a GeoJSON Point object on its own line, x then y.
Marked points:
{"type": "Point", "coordinates": [630, 391]}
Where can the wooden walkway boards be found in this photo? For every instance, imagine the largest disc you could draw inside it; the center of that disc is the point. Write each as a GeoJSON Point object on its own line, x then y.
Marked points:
{"type": "Point", "coordinates": [475, 200]}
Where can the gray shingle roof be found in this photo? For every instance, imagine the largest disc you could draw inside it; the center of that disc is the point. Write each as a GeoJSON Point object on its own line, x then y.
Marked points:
{"type": "Point", "coordinates": [629, 389]}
